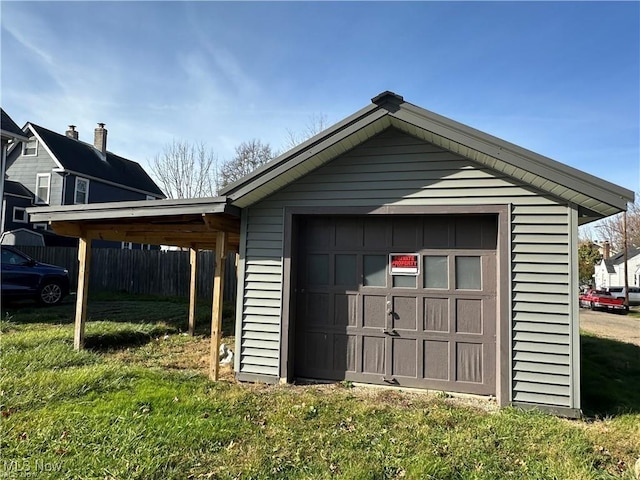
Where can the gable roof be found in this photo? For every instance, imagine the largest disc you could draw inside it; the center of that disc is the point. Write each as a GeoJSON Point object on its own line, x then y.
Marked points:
{"type": "Point", "coordinates": [84, 159]}
{"type": "Point", "coordinates": [595, 198]}
{"type": "Point", "coordinates": [16, 189]}
{"type": "Point", "coordinates": [9, 129]}
{"type": "Point", "coordinates": [618, 258]}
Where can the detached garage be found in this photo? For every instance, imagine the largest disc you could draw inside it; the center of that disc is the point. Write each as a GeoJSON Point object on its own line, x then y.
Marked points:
{"type": "Point", "coordinates": [402, 248]}
{"type": "Point", "coordinates": [397, 247]}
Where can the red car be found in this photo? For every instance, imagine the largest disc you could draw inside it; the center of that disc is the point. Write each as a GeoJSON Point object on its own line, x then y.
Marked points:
{"type": "Point", "coordinates": [599, 299]}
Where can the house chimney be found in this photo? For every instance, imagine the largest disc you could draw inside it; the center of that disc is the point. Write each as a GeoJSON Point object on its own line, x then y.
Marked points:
{"type": "Point", "coordinates": [100, 138]}
{"type": "Point", "coordinates": [72, 132]}
{"type": "Point", "coordinates": [606, 249]}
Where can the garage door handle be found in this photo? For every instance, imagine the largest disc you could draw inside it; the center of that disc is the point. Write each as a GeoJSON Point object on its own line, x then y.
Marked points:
{"type": "Point", "coordinates": [389, 380]}
{"type": "Point", "coordinates": [389, 332]}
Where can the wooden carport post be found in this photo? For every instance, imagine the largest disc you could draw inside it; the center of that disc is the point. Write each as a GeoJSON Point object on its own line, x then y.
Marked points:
{"type": "Point", "coordinates": [84, 257]}
{"type": "Point", "coordinates": [216, 308]}
{"type": "Point", "coordinates": [193, 260]}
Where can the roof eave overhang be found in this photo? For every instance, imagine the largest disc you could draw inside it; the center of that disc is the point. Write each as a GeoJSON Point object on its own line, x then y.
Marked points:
{"type": "Point", "coordinates": [187, 223]}
{"type": "Point", "coordinates": [308, 156]}
{"type": "Point", "coordinates": [136, 209]}
{"type": "Point", "coordinates": [534, 169]}
{"type": "Point", "coordinates": [9, 135]}
{"type": "Point", "coordinates": [593, 197]}
{"type": "Point", "coordinates": [64, 171]}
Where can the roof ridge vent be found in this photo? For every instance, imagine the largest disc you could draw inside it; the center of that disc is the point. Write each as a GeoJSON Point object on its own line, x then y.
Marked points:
{"type": "Point", "coordinates": [389, 100]}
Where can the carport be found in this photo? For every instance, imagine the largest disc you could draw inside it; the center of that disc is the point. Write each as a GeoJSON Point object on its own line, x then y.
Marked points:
{"type": "Point", "coordinates": [196, 224]}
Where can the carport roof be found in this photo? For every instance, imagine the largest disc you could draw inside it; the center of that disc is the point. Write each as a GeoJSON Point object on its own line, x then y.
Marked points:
{"type": "Point", "coordinates": [595, 198]}
{"type": "Point", "coordinates": [181, 222]}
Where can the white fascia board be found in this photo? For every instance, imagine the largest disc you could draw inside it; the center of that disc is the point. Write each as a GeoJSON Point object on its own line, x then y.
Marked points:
{"type": "Point", "coordinates": [46, 147]}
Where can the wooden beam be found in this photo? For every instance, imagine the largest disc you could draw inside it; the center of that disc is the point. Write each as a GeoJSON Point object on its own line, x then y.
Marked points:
{"type": "Point", "coordinates": [193, 261]}
{"type": "Point", "coordinates": [169, 238]}
{"type": "Point", "coordinates": [84, 257]}
{"type": "Point", "coordinates": [216, 308]}
{"type": "Point", "coordinates": [67, 229]}
{"type": "Point", "coordinates": [184, 235]}
{"type": "Point", "coordinates": [148, 228]}
{"type": "Point", "coordinates": [218, 222]}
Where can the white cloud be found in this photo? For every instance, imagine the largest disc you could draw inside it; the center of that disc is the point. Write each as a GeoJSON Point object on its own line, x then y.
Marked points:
{"type": "Point", "coordinates": [31, 33]}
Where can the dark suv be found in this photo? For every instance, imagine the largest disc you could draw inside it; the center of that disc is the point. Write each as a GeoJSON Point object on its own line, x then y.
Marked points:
{"type": "Point", "coordinates": [23, 277]}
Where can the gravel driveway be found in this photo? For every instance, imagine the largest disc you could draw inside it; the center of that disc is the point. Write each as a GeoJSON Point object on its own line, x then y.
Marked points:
{"type": "Point", "coordinates": [611, 325]}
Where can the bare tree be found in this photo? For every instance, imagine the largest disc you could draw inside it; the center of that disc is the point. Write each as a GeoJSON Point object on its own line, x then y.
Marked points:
{"type": "Point", "coordinates": [612, 228]}
{"type": "Point", "coordinates": [249, 156]}
{"type": "Point", "coordinates": [185, 170]}
{"type": "Point", "coordinates": [316, 124]}
{"type": "Point", "coordinates": [586, 233]}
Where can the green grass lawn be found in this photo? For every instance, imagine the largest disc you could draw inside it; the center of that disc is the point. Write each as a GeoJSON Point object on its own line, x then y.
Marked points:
{"type": "Point", "coordinates": [138, 405]}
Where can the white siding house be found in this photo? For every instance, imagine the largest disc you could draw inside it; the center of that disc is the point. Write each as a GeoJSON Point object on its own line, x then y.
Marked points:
{"type": "Point", "coordinates": [609, 272]}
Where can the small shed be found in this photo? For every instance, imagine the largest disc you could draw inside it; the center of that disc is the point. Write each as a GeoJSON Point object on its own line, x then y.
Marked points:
{"type": "Point", "coordinates": [401, 248]}
{"type": "Point", "coordinates": [22, 236]}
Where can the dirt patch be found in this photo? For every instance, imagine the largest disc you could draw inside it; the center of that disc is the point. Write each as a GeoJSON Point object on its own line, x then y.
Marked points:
{"type": "Point", "coordinates": [624, 328]}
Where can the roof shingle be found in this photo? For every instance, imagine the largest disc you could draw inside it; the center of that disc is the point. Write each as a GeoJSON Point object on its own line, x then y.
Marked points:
{"type": "Point", "coordinates": [17, 189]}
{"type": "Point", "coordinates": [9, 126]}
{"type": "Point", "coordinates": [83, 158]}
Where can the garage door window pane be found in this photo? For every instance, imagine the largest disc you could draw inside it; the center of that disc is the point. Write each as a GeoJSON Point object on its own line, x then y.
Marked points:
{"type": "Point", "coordinates": [346, 270]}
{"type": "Point", "coordinates": [318, 270]}
{"type": "Point", "coordinates": [436, 272]}
{"type": "Point", "coordinates": [404, 281]}
{"type": "Point", "coordinates": [468, 273]}
{"type": "Point", "coordinates": [375, 270]}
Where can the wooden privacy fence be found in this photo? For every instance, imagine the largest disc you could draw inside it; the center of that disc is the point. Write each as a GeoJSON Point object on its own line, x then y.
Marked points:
{"type": "Point", "coordinates": [151, 272]}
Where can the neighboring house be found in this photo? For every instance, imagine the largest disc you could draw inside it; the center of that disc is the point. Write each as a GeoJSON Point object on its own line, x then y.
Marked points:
{"type": "Point", "coordinates": [604, 248]}
{"type": "Point", "coordinates": [400, 248]}
{"type": "Point", "coordinates": [609, 272]}
{"type": "Point", "coordinates": [63, 170]}
{"type": "Point", "coordinates": [17, 198]}
{"type": "Point", "coordinates": [10, 133]}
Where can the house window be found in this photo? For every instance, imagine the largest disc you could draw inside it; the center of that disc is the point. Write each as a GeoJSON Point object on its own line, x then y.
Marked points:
{"type": "Point", "coordinates": [30, 147]}
{"type": "Point", "coordinates": [82, 191]}
{"type": "Point", "coordinates": [126, 245]}
{"type": "Point", "coordinates": [43, 182]}
{"type": "Point", "coordinates": [19, 215]}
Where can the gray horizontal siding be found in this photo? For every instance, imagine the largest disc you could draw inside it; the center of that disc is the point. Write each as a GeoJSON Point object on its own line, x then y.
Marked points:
{"type": "Point", "coordinates": [23, 169]}
{"type": "Point", "coordinates": [397, 169]}
{"type": "Point", "coordinates": [261, 305]}
{"type": "Point", "coordinates": [541, 305]}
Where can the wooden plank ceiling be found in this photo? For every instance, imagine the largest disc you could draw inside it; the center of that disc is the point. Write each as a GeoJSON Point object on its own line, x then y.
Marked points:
{"type": "Point", "coordinates": [187, 230]}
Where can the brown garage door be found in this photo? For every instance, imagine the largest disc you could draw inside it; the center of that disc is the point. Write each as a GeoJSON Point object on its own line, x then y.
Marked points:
{"type": "Point", "coordinates": [355, 320]}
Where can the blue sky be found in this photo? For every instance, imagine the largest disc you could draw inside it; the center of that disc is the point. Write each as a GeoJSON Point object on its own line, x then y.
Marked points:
{"type": "Point", "coordinates": [561, 79]}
